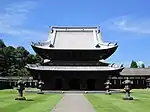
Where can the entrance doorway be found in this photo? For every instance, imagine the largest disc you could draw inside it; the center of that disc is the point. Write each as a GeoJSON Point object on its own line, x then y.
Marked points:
{"type": "Point", "coordinates": [90, 84]}
{"type": "Point", "coordinates": [74, 84]}
{"type": "Point", "coordinates": [58, 84]}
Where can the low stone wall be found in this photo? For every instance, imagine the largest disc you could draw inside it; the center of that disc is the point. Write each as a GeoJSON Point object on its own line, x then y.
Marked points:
{"type": "Point", "coordinates": [11, 82]}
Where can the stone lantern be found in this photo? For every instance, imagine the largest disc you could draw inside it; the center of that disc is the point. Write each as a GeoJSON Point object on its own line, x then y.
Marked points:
{"type": "Point", "coordinates": [108, 83]}
{"type": "Point", "coordinates": [40, 86]}
{"type": "Point", "coordinates": [20, 88]}
{"type": "Point", "coordinates": [127, 89]}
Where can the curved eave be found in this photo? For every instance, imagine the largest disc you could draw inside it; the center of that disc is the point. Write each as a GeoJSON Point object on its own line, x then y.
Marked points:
{"type": "Point", "coordinates": [73, 63]}
{"type": "Point", "coordinates": [74, 68]}
{"type": "Point", "coordinates": [89, 54]}
{"type": "Point", "coordinates": [102, 47]}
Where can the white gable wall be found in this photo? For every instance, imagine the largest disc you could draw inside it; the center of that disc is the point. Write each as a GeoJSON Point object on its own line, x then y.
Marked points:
{"type": "Point", "coordinates": [74, 39]}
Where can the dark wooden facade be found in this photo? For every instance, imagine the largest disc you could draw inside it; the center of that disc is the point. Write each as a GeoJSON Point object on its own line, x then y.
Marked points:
{"type": "Point", "coordinates": [80, 80]}
{"type": "Point", "coordinates": [86, 80]}
{"type": "Point", "coordinates": [73, 80]}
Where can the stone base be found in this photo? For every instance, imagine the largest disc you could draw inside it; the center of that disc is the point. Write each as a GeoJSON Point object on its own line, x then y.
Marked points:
{"type": "Point", "coordinates": [86, 92]}
{"type": "Point", "coordinates": [108, 93]}
{"type": "Point", "coordinates": [20, 98]}
{"type": "Point", "coordinates": [128, 98]}
{"type": "Point", "coordinates": [40, 93]}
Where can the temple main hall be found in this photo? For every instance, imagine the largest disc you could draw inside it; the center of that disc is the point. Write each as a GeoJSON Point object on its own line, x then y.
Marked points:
{"type": "Point", "coordinates": [74, 59]}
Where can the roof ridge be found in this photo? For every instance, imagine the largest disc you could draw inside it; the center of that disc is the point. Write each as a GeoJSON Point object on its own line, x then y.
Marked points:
{"type": "Point", "coordinates": [75, 27]}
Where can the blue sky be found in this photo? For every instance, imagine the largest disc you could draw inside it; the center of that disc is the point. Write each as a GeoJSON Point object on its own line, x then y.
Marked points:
{"type": "Point", "coordinates": [124, 21]}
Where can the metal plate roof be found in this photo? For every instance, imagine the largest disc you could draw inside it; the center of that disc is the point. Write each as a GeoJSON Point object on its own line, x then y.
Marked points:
{"type": "Point", "coordinates": [73, 68]}
{"type": "Point", "coordinates": [136, 71]}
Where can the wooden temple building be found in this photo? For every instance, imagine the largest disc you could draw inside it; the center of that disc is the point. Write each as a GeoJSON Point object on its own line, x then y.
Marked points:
{"type": "Point", "coordinates": [74, 59]}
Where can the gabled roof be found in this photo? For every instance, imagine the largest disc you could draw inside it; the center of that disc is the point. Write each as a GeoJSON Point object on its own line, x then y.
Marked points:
{"type": "Point", "coordinates": [74, 37]}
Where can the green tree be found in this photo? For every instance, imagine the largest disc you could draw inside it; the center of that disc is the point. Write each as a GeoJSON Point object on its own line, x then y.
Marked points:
{"type": "Point", "coordinates": [13, 60]}
{"type": "Point", "coordinates": [143, 66]}
{"type": "Point", "coordinates": [32, 59]}
{"type": "Point", "coordinates": [2, 61]}
{"type": "Point", "coordinates": [133, 64]}
{"type": "Point", "coordinates": [2, 44]}
{"type": "Point", "coordinates": [39, 59]}
{"type": "Point", "coordinates": [21, 55]}
{"type": "Point", "coordinates": [23, 72]}
{"type": "Point", "coordinates": [8, 59]}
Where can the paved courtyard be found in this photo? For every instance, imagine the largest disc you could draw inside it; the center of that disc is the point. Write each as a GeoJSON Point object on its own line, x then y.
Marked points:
{"type": "Point", "coordinates": [73, 102]}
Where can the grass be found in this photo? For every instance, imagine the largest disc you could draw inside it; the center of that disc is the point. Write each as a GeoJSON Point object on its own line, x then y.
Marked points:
{"type": "Point", "coordinates": [101, 102]}
{"type": "Point", "coordinates": [114, 102]}
{"type": "Point", "coordinates": [34, 103]}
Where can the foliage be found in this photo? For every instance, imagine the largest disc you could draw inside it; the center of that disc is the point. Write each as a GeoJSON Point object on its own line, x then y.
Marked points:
{"type": "Point", "coordinates": [133, 64]}
{"type": "Point", "coordinates": [13, 60]}
{"type": "Point", "coordinates": [143, 66]}
{"type": "Point", "coordinates": [2, 44]}
{"type": "Point", "coordinates": [31, 59]}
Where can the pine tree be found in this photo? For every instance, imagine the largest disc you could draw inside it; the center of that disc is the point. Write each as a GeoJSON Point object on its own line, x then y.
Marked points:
{"type": "Point", "coordinates": [133, 64]}
{"type": "Point", "coordinates": [143, 66]}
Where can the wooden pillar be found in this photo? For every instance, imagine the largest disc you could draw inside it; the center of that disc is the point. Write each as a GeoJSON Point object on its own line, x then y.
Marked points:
{"type": "Point", "coordinates": [114, 81]}
{"type": "Point", "coordinates": [35, 84]}
{"type": "Point", "coordinates": [137, 81]}
{"type": "Point", "coordinates": [143, 82]}
{"type": "Point", "coordinates": [120, 82]}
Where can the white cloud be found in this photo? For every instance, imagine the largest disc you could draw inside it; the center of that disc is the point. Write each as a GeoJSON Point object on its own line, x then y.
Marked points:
{"type": "Point", "coordinates": [130, 24]}
{"type": "Point", "coordinates": [13, 19]}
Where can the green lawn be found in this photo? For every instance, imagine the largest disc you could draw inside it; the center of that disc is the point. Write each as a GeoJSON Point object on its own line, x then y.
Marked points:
{"type": "Point", "coordinates": [114, 102]}
{"type": "Point", "coordinates": [35, 102]}
{"type": "Point", "coordinates": [101, 102]}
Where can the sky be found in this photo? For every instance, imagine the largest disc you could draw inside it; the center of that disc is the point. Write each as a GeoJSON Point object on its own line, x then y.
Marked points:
{"type": "Point", "coordinates": [124, 21]}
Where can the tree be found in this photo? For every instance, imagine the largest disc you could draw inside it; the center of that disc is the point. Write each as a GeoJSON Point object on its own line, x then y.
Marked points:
{"type": "Point", "coordinates": [21, 55]}
{"type": "Point", "coordinates": [2, 44]}
{"type": "Point", "coordinates": [39, 59]}
{"type": "Point", "coordinates": [32, 59]}
{"type": "Point", "coordinates": [133, 64]}
{"type": "Point", "coordinates": [143, 66]}
{"type": "Point", "coordinates": [2, 61]}
{"type": "Point", "coordinates": [7, 59]}
{"type": "Point", "coordinates": [23, 72]}
{"type": "Point", "coordinates": [13, 60]}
